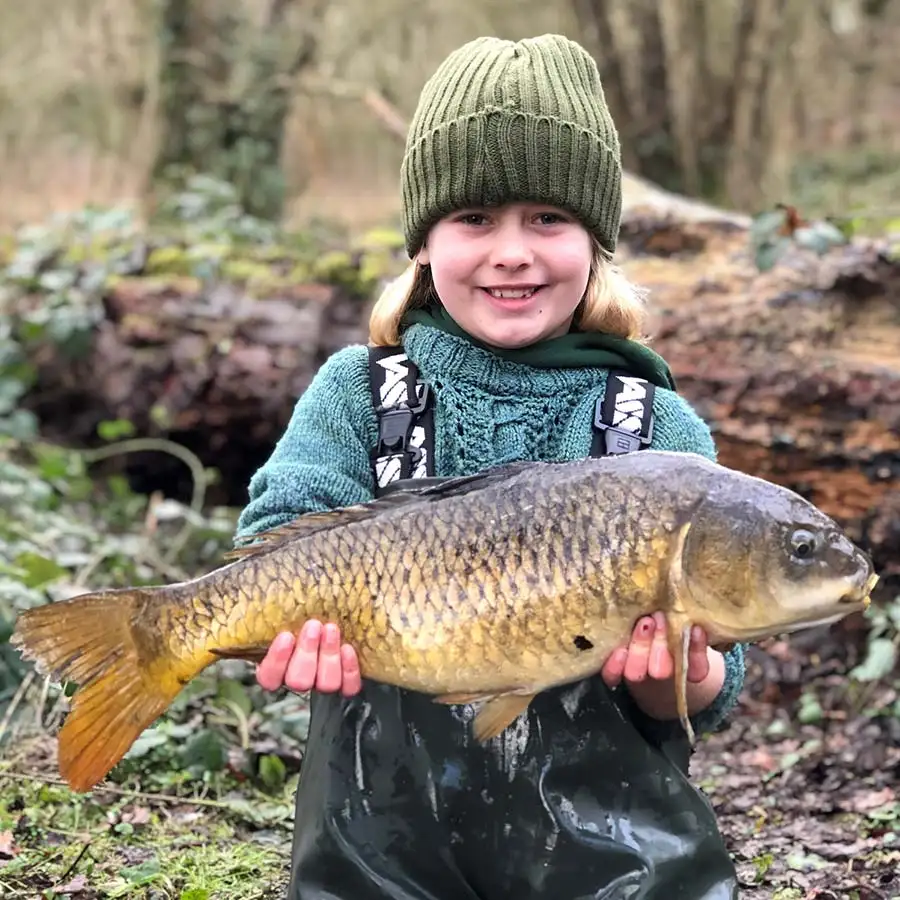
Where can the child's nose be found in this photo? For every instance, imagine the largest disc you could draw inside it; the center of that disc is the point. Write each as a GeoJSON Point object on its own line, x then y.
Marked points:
{"type": "Point", "coordinates": [511, 249]}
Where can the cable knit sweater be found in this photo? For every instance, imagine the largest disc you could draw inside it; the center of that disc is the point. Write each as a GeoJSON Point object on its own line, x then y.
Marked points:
{"type": "Point", "coordinates": [488, 411]}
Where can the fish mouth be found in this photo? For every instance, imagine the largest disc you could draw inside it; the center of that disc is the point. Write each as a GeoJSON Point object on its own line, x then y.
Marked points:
{"type": "Point", "coordinates": [860, 595]}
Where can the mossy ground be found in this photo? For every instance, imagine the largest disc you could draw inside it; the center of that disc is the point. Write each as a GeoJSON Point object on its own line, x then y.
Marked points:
{"type": "Point", "coordinates": [194, 842]}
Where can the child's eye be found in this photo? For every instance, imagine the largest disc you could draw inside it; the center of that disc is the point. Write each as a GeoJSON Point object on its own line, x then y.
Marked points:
{"type": "Point", "coordinates": [550, 218]}
{"type": "Point", "coordinates": [472, 219]}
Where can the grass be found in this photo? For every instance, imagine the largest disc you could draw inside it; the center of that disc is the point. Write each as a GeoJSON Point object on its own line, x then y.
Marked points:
{"type": "Point", "coordinates": [226, 839]}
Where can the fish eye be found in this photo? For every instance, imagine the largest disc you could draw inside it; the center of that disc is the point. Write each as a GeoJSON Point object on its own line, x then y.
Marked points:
{"type": "Point", "coordinates": [803, 544]}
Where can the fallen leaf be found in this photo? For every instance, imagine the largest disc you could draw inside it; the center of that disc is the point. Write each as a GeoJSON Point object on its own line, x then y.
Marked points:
{"type": "Point", "coordinates": [7, 848]}
{"type": "Point", "coordinates": [760, 759]}
{"type": "Point", "coordinates": [136, 815]}
{"type": "Point", "coordinates": [780, 650]}
{"type": "Point", "coordinates": [866, 801]}
{"type": "Point", "coordinates": [78, 884]}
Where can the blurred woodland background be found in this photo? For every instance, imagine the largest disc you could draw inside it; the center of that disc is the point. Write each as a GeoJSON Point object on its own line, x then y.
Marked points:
{"type": "Point", "coordinates": [198, 204]}
{"type": "Point", "coordinates": [742, 102]}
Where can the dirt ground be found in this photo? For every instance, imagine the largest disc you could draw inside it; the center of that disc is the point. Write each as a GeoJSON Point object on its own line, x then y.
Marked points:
{"type": "Point", "coordinates": [804, 781]}
{"type": "Point", "coordinates": [809, 808]}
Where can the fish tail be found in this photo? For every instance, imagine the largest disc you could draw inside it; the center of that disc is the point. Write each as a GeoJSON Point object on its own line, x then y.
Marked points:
{"type": "Point", "coordinates": [123, 684]}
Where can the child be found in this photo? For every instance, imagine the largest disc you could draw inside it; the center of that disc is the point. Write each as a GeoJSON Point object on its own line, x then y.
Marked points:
{"type": "Point", "coordinates": [513, 314]}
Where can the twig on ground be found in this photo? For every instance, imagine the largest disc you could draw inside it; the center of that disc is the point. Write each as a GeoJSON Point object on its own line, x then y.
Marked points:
{"type": "Point", "coordinates": [121, 792]}
{"type": "Point", "coordinates": [64, 877]}
{"type": "Point", "coordinates": [161, 445]}
{"type": "Point", "coordinates": [14, 703]}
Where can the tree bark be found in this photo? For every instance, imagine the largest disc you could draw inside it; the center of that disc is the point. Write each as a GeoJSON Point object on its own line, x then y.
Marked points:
{"type": "Point", "coordinates": [708, 93]}
{"type": "Point", "coordinates": [227, 89]}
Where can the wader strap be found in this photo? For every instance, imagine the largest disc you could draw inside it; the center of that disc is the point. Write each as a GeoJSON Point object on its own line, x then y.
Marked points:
{"type": "Point", "coordinates": [623, 417]}
{"type": "Point", "coordinates": [405, 447]}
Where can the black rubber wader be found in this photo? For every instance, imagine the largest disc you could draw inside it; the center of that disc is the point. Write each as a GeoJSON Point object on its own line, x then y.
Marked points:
{"type": "Point", "coordinates": [573, 802]}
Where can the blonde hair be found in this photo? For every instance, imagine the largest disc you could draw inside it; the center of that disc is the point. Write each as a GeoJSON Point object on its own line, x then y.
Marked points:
{"type": "Point", "coordinates": [611, 303]}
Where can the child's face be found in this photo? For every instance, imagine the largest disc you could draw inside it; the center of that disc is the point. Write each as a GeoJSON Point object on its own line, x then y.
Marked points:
{"type": "Point", "coordinates": [512, 275]}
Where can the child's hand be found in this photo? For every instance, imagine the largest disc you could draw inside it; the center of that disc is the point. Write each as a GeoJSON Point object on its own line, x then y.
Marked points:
{"type": "Point", "coordinates": [648, 656]}
{"type": "Point", "coordinates": [315, 660]}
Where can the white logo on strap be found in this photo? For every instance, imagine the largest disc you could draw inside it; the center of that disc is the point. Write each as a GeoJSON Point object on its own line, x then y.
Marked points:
{"type": "Point", "coordinates": [387, 468]}
{"type": "Point", "coordinates": [392, 392]}
{"type": "Point", "coordinates": [628, 414]}
{"type": "Point", "coordinates": [393, 389]}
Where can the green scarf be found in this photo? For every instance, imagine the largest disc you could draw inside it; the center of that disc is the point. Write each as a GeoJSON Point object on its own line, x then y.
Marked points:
{"type": "Point", "coordinates": [577, 348]}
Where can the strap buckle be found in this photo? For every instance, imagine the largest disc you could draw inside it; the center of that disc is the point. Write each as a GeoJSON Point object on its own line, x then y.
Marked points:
{"type": "Point", "coordinates": [396, 422]}
{"type": "Point", "coordinates": [619, 440]}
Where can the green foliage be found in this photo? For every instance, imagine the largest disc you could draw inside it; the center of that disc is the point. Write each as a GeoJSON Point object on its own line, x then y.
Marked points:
{"type": "Point", "coordinates": [60, 532]}
{"type": "Point", "coordinates": [810, 709]}
{"type": "Point", "coordinates": [774, 232]}
{"type": "Point", "coordinates": [62, 845]}
{"type": "Point", "coordinates": [883, 642]}
{"type": "Point", "coordinates": [16, 376]}
{"type": "Point", "coordinates": [200, 231]}
{"type": "Point", "coordinates": [225, 98]}
{"type": "Point", "coordinates": [208, 209]}
{"type": "Point", "coordinates": [64, 531]}
{"type": "Point", "coordinates": [55, 275]}
{"type": "Point", "coordinates": [858, 188]}
{"type": "Point", "coordinates": [218, 728]}
{"type": "Point", "coordinates": [49, 293]}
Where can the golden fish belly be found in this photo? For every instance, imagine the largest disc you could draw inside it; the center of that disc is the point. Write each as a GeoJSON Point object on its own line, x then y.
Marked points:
{"type": "Point", "coordinates": [492, 615]}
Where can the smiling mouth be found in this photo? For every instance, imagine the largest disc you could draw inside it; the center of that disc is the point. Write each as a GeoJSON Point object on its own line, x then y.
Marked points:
{"type": "Point", "coordinates": [512, 293]}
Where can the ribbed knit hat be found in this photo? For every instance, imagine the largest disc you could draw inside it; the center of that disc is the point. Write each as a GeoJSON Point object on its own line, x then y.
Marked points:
{"type": "Point", "coordinates": [503, 121]}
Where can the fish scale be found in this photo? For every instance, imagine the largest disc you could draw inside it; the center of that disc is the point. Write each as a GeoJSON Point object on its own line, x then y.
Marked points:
{"type": "Point", "coordinates": [484, 589]}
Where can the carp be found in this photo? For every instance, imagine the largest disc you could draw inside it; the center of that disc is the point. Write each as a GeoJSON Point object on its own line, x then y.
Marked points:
{"type": "Point", "coordinates": [485, 588]}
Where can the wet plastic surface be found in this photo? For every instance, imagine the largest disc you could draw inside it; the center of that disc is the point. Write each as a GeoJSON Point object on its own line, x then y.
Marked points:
{"type": "Point", "coordinates": [397, 800]}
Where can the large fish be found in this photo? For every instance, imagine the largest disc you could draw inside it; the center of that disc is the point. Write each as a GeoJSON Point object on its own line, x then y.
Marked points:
{"type": "Point", "coordinates": [489, 588]}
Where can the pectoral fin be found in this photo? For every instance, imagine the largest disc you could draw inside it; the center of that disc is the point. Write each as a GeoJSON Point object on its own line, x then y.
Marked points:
{"type": "Point", "coordinates": [679, 625]}
{"type": "Point", "coordinates": [679, 640]}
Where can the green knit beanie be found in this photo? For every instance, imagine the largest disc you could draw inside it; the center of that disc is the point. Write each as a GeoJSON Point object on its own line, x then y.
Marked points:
{"type": "Point", "coordinates": [503, 121]}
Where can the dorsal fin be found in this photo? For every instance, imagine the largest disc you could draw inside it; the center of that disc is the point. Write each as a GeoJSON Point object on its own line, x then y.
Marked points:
{"type": "Point", "coordinates": [312, 522]}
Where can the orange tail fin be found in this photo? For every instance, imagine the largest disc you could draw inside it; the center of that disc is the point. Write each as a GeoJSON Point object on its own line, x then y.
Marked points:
{"type": "Point", "coordinates": [122, 687]}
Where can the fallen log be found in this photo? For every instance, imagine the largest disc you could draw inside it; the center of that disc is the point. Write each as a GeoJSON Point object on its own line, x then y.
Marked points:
{"type": "Point", "coordinates": [213, 368]}
{"type": "Point", "coordinates": [797, 369]}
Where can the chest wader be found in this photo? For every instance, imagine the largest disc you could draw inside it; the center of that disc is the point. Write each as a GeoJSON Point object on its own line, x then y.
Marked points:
{"type": "Point", "coordinates": [577, 800]}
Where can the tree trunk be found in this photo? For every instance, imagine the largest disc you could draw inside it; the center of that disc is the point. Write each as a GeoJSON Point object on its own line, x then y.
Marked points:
{"type": "Point", "coordinates": [708, 93]}
{"type": "Point", "coordinates": [226, 90]}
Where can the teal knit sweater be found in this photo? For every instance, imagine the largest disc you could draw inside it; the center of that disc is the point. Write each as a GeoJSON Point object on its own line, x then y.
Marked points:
{"type": "Point", "coordinates": [487, 411]}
